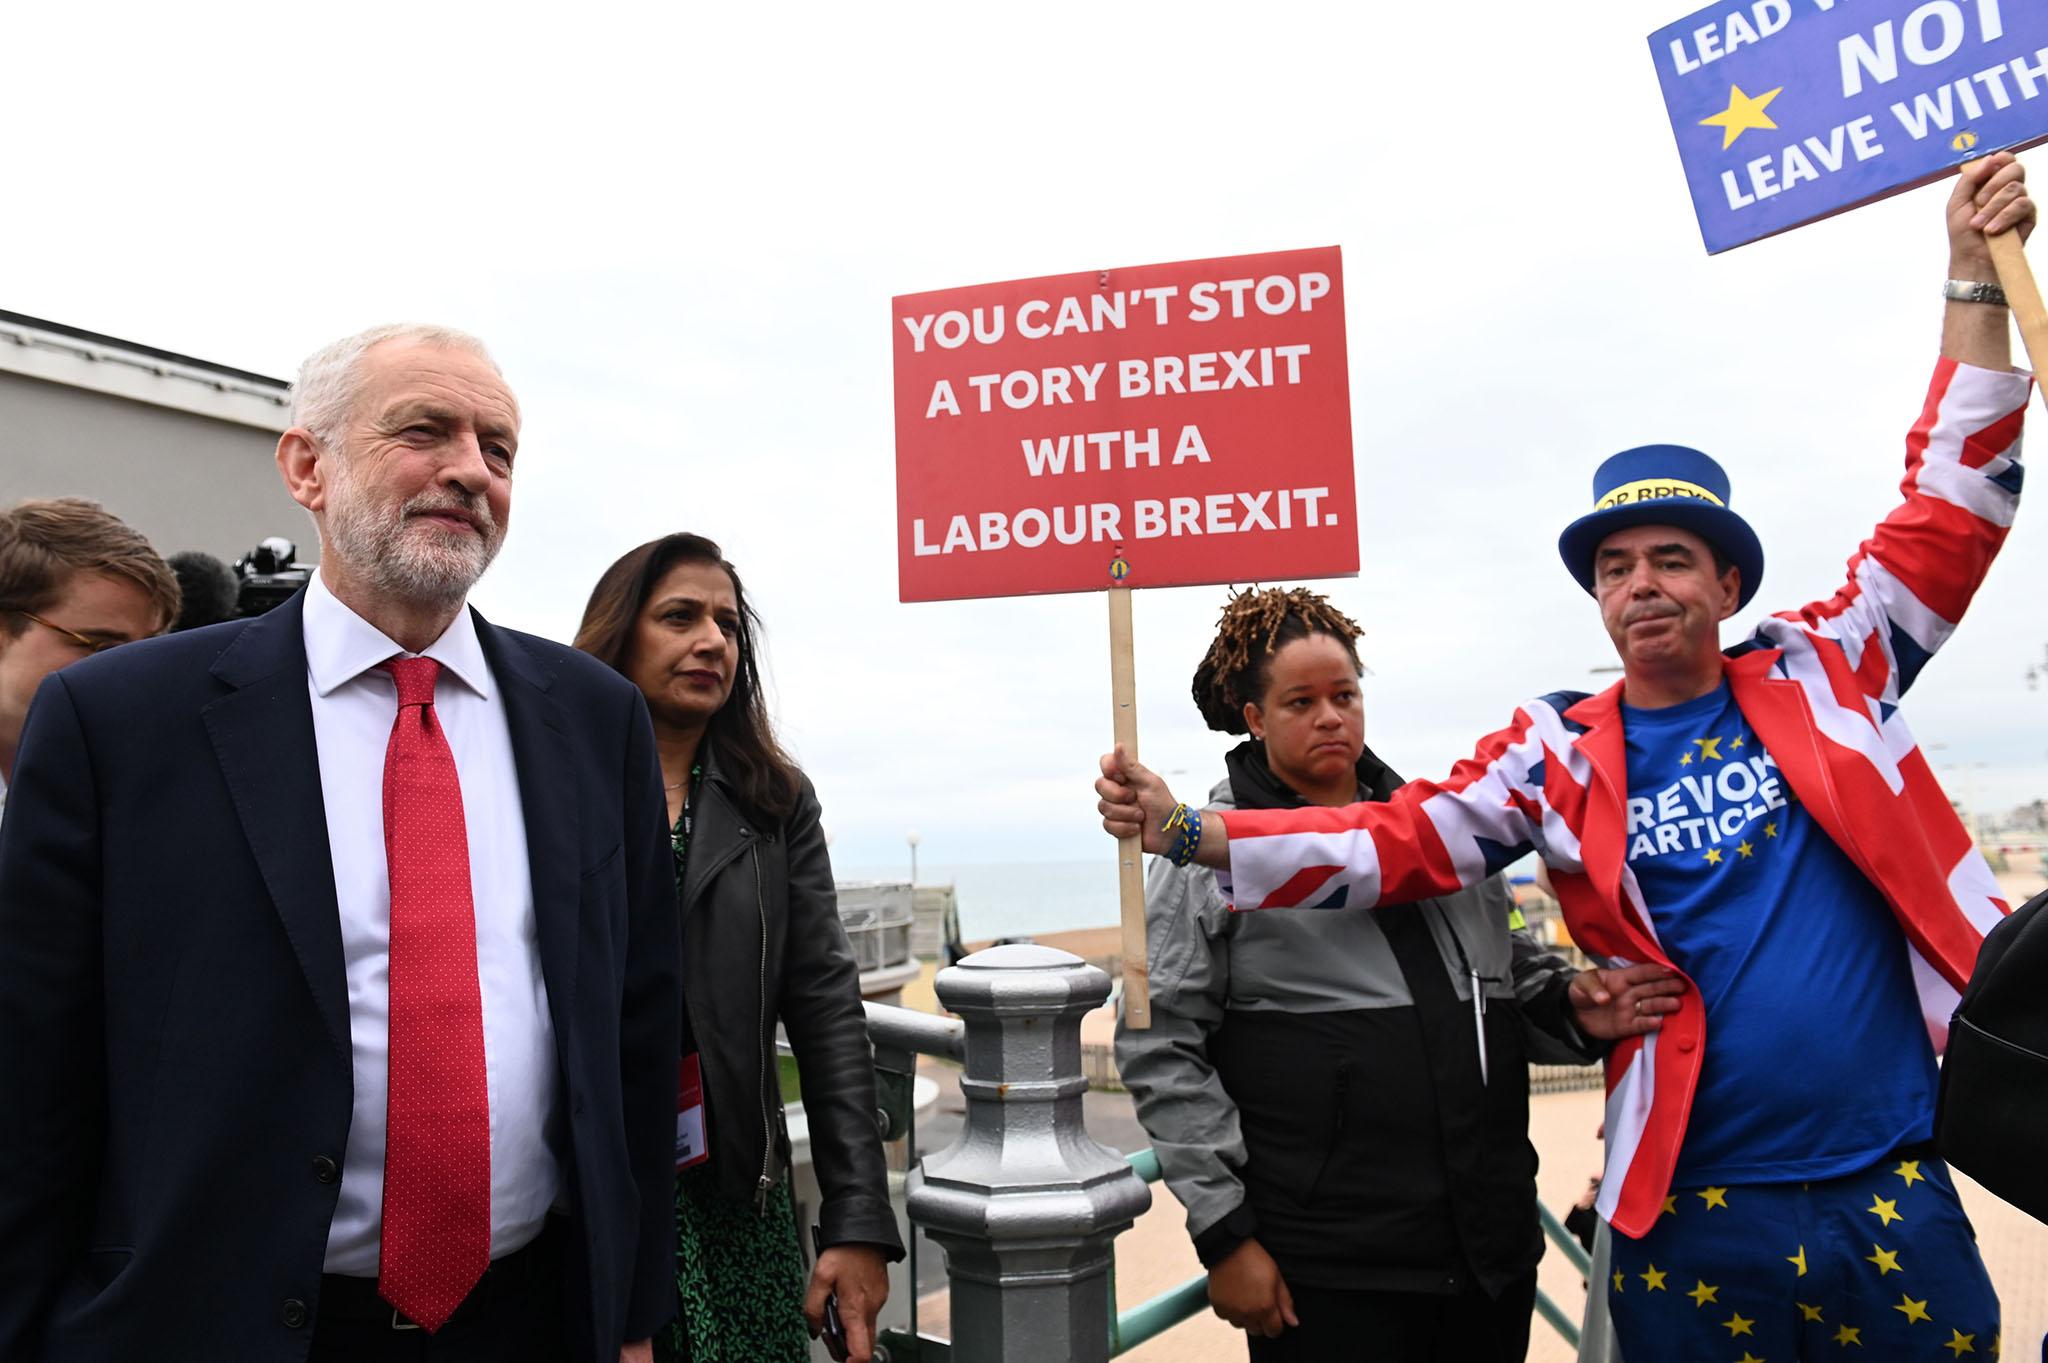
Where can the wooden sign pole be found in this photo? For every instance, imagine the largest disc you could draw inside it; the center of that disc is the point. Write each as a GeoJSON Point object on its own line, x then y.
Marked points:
{"type": "Point", "coordinates": [2016, 277]}
{"type": "Point", "coordinates": [1130, 852]}
{"type": "Point", "coordinates": [2022, 295]}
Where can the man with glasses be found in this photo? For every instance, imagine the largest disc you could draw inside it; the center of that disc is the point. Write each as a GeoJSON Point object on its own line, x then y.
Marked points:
{"type": "Point", "coordinates": [74, 580]}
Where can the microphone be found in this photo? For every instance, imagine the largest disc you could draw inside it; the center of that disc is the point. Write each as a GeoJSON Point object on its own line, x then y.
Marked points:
{"type": "Point", "coordinates": [209, 589]}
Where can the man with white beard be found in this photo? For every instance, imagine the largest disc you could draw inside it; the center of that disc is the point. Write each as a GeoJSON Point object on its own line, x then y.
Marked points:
{"type": "Point", "coordinates": [339, 997]}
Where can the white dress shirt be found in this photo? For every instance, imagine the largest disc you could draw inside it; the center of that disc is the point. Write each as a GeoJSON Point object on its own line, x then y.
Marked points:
{"type": "Point", "coordinates": [354, 704]}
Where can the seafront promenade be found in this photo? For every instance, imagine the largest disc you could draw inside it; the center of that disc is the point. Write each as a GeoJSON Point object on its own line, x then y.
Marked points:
{"type": "Point", "coordinates": [1155, 1254]}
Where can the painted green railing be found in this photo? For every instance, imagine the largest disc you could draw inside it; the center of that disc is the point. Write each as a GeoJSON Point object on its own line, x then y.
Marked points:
{"type": "Point", "coordinates": [1142, 1322]}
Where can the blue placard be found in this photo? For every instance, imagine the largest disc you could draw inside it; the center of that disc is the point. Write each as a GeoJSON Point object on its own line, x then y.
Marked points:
{"type": "Point", "coordinates": [1790, 110]}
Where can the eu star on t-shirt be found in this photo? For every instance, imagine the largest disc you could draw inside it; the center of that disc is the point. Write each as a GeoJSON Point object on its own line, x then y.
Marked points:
{"type": "Point", "coordinates": [1816, 1061]}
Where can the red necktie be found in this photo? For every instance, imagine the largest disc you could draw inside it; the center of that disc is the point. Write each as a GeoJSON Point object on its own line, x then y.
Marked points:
{"type": "Point", "coordinates": [437, 1140]}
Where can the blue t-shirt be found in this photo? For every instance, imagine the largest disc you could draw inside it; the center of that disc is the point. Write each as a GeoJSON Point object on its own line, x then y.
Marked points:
{"type": "Point", "coordinates": [1817, 1063]}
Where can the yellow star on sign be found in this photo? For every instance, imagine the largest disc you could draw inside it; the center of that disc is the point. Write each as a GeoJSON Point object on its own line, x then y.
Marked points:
{"type": "Point", "coordinates": [1617, 1279]}
{"type": "Point", "coordinates": [1798, 1261]}
{"type": "Point", "coordinates": [1961, 1343]}
{"type": "Point", "coordinates": [1671, 1205]}
{"type": "Point", "coordinates": [1739, 1324]}
{"type": "Point", "coordinates": [1702, 1294]}
{"type": "Point", "coordinates": [1718, 1197]}
{"type": "Point", "coordinates": [1909, 1170]}
{"type": "Point", "coordinates": [1849, 1334]}
{"type": "Point", "coordinates": [1771, 829]}
{"type": "Point", "coordinates": [1685, 761]}
{"type": "Point", "coordinates": [1713, 856]}
{"type": "Point", "coordinates": [1742, 114]}
{"type": "Point", "coordinates": [1887, 1260]}
{"type": "Point", "coordinates": [1653, 1280]}
{"type": "Point", "coordinates": [1810, 1312]}
{"type": "Point", "coordinates": [1744, 848]}
{"type": "Point", "coordinates": [1883, 1210]}
{"type": "Point", "coordinates": [1709, 747]}
{"type": "Point", "coordinates": [1748, 1357]}
{"type": "Point", "coordinates": [1912, 1310]}
{"type": "Point", "coordinates": [1736, 744]}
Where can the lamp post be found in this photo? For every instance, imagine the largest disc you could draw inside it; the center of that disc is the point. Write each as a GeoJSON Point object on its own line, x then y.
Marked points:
{"type": "Point", "coordinates": [913, 837]}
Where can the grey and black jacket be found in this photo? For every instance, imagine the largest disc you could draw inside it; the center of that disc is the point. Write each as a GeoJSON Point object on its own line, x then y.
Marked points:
{"type": "Point", "coordinates": [762, 940]}
{"type": "Point", "coordinates": [1312, 1077]}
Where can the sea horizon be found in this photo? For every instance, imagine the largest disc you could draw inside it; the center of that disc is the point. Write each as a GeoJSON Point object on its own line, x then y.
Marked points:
{"type": "Point", "coordinates": [1013, 899]}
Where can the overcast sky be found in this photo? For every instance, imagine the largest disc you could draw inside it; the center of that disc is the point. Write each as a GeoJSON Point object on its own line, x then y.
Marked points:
{"type": "Point", "coordinates": [680, 228]}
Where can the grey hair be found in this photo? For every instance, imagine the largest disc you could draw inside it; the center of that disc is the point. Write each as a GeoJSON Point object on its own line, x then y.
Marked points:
{"type": "Point", "coordinates": [330, 378]}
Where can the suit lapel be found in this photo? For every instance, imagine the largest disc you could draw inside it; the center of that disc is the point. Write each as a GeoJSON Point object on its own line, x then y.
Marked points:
{"type": "Point", "coordinates": [547, 797]}
{"type": "Point", "coordinates": [262, 735]}
{"type": "Point", "coordinates": [1602, 745]}
{"type": "Point", "coordinates": [717, 837]}
{"type": "Point", "coordinates": [1604, 844]}
{"type": "Point", "coordinates": [1777, 708]}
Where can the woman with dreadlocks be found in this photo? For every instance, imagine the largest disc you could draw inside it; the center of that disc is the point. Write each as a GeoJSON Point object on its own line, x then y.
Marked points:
{"type": "Point", "coordinates": [1347, 1129]}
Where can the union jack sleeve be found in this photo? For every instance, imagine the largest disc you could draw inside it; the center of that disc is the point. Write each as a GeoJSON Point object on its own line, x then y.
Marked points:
{"type": "Point", "coordinates": [1429, 838]}
{"type": "Point", "coordinates": [1911, 580]}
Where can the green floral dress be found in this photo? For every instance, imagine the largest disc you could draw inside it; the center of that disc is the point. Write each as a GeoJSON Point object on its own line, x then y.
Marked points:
{"type": "Point", "coordinates": [739, 1270]}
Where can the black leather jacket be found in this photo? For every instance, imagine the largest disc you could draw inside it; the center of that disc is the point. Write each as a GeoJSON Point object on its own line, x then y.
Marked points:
{"type": "Point", "coordinates": [762, 941]}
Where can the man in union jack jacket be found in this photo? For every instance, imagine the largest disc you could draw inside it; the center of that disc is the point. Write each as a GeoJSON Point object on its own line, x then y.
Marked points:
{"type": "Point", "coordinates": [1761, 820]}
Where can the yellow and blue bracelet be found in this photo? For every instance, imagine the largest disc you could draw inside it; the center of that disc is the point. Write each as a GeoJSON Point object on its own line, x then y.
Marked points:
{"type": "Point", "coordinates": [1186, 826]}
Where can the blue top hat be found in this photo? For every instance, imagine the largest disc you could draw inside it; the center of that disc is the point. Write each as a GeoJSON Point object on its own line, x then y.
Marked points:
{"type": "Point", "coordinates": [1663, 485]}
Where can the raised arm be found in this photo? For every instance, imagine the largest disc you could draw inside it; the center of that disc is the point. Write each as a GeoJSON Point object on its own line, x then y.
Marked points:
{"type": "Point", "coordinates": [1911, 580]}
{"type": "Point", "coordinates": [1429, 838]}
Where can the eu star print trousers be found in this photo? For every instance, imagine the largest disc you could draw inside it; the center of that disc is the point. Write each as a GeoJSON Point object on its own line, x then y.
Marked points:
{"type": "Point", "coordinates": [1880, 1264]}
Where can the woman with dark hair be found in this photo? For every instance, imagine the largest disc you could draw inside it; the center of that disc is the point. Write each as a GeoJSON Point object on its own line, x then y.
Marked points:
{"type": "Point", "coordinates": [1340, 1100]}
{"type": "Point", "coordinates": [762, 941]}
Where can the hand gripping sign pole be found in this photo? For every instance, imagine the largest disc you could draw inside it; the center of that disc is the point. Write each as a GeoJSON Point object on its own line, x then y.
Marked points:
{"type": "Point", "coordinates": [1130, 852]}
{"type": "Point", "coordinates": [2022, 294]}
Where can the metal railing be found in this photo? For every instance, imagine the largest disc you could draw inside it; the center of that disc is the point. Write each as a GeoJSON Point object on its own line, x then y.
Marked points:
{"type": "Point", "coordinates": [1129, 1329]}
{"type": "Point", "coordinates": [1575, 1254]}
{"type": "Point", "coordinates": [1177, 1304]}
{"type": "Point", "coordinates": [1025, 1203]}
{"type": "Point", "coordinates": [878, 920]}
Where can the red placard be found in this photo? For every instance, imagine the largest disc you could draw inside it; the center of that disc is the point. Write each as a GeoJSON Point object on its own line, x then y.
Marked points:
{"type": "Point", "coordinates": [1165, 425]}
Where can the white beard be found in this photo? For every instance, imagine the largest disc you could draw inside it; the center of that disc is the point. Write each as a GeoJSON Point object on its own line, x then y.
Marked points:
{"type": "Point", "coordinates": [410, 562]}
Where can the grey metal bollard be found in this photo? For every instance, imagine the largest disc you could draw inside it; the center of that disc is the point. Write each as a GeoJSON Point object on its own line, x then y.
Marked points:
{"type": "Point", "coordinates": [1025, 1203]}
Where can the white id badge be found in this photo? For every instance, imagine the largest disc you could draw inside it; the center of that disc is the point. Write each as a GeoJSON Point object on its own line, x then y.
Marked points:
{"type": "Point", "coordinates": [691, 1145]}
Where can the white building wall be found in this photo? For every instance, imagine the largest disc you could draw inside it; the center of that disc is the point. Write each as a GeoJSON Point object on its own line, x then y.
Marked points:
{"type": "Point", "coordinates": [185, 479]}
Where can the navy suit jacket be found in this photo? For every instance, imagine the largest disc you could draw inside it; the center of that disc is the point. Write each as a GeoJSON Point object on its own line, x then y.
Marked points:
{"type": "Point", "coordinates": [175, 1078]}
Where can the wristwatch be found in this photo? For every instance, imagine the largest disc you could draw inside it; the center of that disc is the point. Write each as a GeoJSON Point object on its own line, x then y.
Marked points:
{"type": "Point", "coordinates": [1972, 291]}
